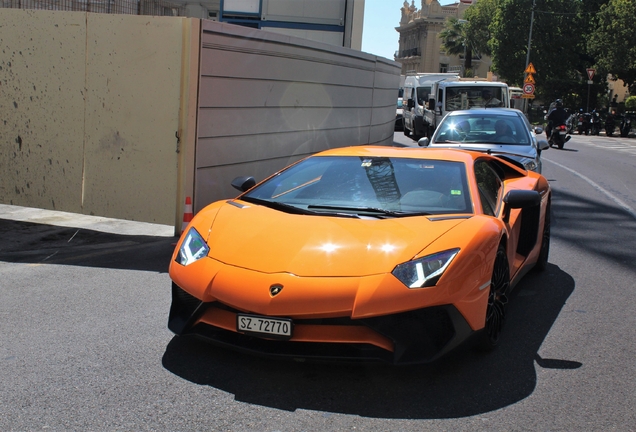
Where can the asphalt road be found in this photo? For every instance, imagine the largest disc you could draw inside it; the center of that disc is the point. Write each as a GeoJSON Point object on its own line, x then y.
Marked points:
{"type": "Point", "coordinates": [84, 343]}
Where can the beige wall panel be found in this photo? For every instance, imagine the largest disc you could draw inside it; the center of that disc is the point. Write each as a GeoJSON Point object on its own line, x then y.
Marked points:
{"type": "Point", "coordinates": [328, 37]}
{"type": "Point", "coordinates": [267, 65]}
{"type": "Point", "coordinates": [228, 92]}
{"type": "Point", "coordinates": [132, 106]}
{"type": "Point", "coordinates": [214, 180]}
{"type": "Point", "coordinates": [234, 150]}
{"type": "Point", "coordinates": [42, 75]}
{"type": "Point", "coordinates": [289, 98]}
{"type": "Point", "coordinates": [259, 121]}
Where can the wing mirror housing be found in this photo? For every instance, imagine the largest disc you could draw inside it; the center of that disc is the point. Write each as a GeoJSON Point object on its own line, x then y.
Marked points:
{"type": "Point", "coordinates": [423, 142]}
{"type": "Point", "coordinates": [431, 104]}
{"type": "Point", "coordinates": [520, 199]}
{"type": "Point", "coordinates": [243, 183]}
{"type": "Point", "coordinates": [538, 130]}
{"type": "Point", "coordinates": [543, 145]}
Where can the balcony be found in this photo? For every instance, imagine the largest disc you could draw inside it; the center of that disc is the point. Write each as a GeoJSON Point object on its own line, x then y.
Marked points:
{"type": "Point", "coordinates": [412, 52]}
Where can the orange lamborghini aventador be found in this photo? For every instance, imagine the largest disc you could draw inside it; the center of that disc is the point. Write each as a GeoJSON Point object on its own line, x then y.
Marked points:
{"type": "Point", "coordinates": [371, 253]}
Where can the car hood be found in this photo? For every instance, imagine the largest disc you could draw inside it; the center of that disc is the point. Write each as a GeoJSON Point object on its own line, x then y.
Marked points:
{"type": "Point", "coordinates": [270, 241]}
{"type": "Point", "coordinates": [521, 151]}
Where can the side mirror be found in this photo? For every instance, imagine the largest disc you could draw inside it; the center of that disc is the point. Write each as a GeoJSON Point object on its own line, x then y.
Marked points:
{"type": "Point", "coordinates": [520, 199]}
{"type": "Point", "coordinates": [423, 142]}
{"type": "Point", "coordinates": [538, 130]}
{"type": "Point", "coordinates": [543, 145]}
{"type": "Point", "coordinates": [243, 183]}
{"type": "Point", "coordinates": [431, 104]}
{"type": "Point", "coordinates": [410, 104]}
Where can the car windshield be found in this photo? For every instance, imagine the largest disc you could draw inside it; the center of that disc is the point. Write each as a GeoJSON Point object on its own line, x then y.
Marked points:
{"type": "Point", "coordinates": [461, 98]}
{"type": "Point", "coordinates": [483, 129]}
{"type": "Point", "coordinates": [376, 187]}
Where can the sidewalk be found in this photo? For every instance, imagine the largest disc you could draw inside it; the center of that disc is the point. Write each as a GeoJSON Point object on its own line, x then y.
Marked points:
{"type": "Point", "coordinates": [95, 223]}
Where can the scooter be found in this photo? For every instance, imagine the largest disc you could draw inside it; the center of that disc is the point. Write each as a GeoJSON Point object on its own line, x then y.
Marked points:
{"type": "Point", "coordinates": [626, 126]}
{"type": "Point", "coordinates": [584, 123]}
{"type": "Point", "coordinates": [610, 125]}
{"type": "Point", "coordinates": [595, 129]}
{"type": "Point", "coordinates": [559, 136]}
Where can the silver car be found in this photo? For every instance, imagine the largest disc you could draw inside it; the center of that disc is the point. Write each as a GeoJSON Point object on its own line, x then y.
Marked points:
{"type": "Point", "coordinates": [502, 131]}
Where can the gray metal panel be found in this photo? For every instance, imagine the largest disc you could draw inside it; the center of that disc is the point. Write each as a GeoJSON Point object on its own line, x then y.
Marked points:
{"type": "Point", "coordinates": [331, 12]}
{"type": "Point", "coordinates": [266, 100]}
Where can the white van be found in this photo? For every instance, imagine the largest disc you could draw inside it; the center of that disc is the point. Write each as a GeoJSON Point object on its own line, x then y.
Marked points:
{"type": "Point", "coordinates": [428, 97]}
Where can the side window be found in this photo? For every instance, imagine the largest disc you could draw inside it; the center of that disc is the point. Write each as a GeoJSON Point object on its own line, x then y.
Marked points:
{"type": "Point", "coordinates": [490, 187]}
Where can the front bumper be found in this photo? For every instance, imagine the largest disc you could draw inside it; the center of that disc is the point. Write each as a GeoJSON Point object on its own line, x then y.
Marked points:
{"type": "Point", "coordinates": [418, 336]}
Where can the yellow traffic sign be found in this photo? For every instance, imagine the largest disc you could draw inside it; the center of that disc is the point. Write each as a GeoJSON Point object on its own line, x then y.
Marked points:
{"type": "Point", "coordinates": [527, 96]}
{"type": "Point", "coordinates": [530, 69]}
{"type": "Point", "coordinates": [529, 79]}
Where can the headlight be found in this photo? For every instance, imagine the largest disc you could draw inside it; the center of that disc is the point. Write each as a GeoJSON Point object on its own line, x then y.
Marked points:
{"type": "Point", "coordinates": [192, 249]}
{"type": "Point", "coordinates": [531, 165]}
{"type": "Point", "coordinates": [424, 272]}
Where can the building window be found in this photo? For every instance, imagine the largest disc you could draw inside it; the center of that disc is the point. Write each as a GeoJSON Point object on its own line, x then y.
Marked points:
{"type": "Point", "coordinates": [443, 67]}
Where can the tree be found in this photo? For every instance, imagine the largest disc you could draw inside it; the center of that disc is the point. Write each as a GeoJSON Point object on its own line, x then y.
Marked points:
{"type": "Point", "coordinates": [555, 46]}
{"type": "Point", "coordinates": [478, 18]}
{"type": "Point", "coordinates": [613, 42]}
{"type": "Point", "coordinates": [455, 42]}
{"type": "Point", "coordinates": [630, 103]}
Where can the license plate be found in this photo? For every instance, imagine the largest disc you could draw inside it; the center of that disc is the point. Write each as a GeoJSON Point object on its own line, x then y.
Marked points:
{"type": "Point", "coordinates": [580, 123]}
{"type": "Point", "coordinates": [278, 328]}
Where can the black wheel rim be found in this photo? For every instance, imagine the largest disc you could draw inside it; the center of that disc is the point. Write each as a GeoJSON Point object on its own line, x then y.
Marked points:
{"type": "Point", "coordinates": [497, 298]}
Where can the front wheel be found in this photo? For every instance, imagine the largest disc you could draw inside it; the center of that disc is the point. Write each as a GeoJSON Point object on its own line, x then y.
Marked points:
{"type": "Point", "coordinates": [497, 300]}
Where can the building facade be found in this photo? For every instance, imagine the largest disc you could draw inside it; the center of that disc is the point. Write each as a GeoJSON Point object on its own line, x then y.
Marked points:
{"type": "Point", "coordinates": [421, 50]}
{"type": "Point", "coordinates": [335, 22]}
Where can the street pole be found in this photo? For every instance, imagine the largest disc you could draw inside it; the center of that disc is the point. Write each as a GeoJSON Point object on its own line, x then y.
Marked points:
{"type": "Point", "coordinates": [530, 35]}
{"type": "Point", "coordinates": [526, 102]}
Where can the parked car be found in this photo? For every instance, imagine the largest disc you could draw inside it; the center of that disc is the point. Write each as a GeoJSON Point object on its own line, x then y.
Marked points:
{"type": "Point", "coordinates": [477, 129]}
{"type": "Point", "coordinates": [399, 121]}
{"type": "Point", "coordinates": [363, 253]}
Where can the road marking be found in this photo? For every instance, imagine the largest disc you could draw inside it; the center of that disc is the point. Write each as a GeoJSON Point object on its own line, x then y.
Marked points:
{"type": "Point", "coordinates": [596, 186]}
{"type": "Point", "coordinates": [611, 144]}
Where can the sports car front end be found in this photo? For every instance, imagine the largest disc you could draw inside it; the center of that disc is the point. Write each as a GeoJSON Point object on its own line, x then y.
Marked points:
{"type": "Point", "coordinates": [357, 269]}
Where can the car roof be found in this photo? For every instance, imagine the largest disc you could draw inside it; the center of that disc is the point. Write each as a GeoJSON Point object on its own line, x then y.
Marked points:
{"type": "Point", "coordinates": [482, 111]}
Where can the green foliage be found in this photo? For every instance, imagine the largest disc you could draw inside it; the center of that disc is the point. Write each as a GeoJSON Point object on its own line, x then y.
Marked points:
{"type": "Point", "coordinates": [478, 18]}
{"type": "Point", "coordinates": [455, 41]}
{"type": "Point", "coordinates": [559, 48]}
{"type": "Point", "coordinates": [630, 103]}
{"type": "Point", "coordinates": [613, 42]}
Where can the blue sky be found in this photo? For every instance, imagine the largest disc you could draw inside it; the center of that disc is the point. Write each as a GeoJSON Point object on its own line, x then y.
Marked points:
{"type": "Point", "coordinates": [380, 19]}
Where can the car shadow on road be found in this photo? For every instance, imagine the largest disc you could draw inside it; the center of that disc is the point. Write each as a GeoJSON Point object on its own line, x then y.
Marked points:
{"type": "Point", "coordinates": [464, 383]}
{"type": "Point", "coordinates": [33, 243]}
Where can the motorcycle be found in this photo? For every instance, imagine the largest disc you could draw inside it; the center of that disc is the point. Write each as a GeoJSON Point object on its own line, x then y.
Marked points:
{"type": "Point", "coordinates": [610, 125]}
{"type": "Point", "coordinates": [584, 124]}
{"type": "Point", "coordinates": [559, 136]}
{"type": "Point", "coordinates": [595, 129]}
{"type": "Point", "coordinates": [626, 126]}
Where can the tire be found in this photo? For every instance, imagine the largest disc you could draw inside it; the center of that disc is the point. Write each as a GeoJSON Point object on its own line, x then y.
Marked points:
{"type": "Point", "coordinates": [497, 300]}
{"type": "Point", "coordinates": [560, 145]}
{"type": "Point", "coordinates": [542, 262]}
{"type": "Point", "coordinates": [406, 131]}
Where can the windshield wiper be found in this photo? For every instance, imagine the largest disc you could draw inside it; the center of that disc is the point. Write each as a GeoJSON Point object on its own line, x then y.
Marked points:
{"type": "Point", "coordinates": [374, 211]}
{"type": "Point", "coordinates": [288, 208]}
